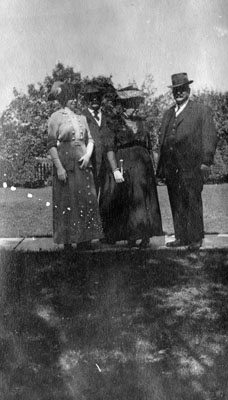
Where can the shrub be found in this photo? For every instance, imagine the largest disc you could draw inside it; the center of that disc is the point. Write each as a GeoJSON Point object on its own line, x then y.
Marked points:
{"type": "Point", "coordinates": [23, 134]}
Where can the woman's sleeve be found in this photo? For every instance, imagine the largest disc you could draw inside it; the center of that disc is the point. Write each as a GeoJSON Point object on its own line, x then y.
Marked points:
{"type": "Point", "coordinates": [148, 140]}
{"type": "Point", "coordinates": [52, 133]}
{"type": "Point", "coordinates": [90, 139]}
{"type": "Point", "coordinates": [108, 138]}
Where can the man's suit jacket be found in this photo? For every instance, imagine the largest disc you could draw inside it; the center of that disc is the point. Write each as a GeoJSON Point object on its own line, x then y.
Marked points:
{"type": "Point", "coordinates": [98, 134]}
{"type": "Point", "coordinates": [195, 139]}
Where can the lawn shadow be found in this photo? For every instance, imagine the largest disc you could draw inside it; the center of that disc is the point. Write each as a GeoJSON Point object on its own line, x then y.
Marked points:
{"type": "Point", "coordinates": [134, 325]}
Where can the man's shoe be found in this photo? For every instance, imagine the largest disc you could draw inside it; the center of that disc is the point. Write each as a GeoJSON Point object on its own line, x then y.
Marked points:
{"type": "Point", "coordinates": [84, 246]}
{"type": "Point", "coordinates": [144, 243]}
{"type": "Point", "coordinates": [194, 246]}
{"type": "Point", "coordinates": [176, 243]}
{"type": "Point", "coordinates": [68, 247]}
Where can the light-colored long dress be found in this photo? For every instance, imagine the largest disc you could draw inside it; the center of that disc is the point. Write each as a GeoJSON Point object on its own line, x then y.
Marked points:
{"type": "Point", "coordinates": [75, 207]}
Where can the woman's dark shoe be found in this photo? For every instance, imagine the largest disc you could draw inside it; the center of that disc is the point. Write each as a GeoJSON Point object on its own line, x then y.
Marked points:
{"type": "Point", "coordinates": [84, 246]}
{"type": "Point", "coordinates": [144, 243]}
{"type": "Point", "coordinates": [107, 241]}
{"type": "Point", "coordinates": [194, 246]}
{"type": "Point", "coordinates": [131, 243]}
{"type": "Point", "coordinates": [176, 243]}
{"type": "Point", "coordinates": [68, 247]}
{"type": "Point", "coordinates": [68, 250]}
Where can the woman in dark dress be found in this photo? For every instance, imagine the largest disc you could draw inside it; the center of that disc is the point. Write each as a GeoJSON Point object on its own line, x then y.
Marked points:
{"type": "Point", "coordinates": [129, 210]}
{"type": "Point", "coordinates": [76, 216]}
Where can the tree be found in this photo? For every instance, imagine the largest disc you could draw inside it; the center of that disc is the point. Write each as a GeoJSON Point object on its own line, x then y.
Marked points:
{"type": "Point", "coordinates": [23, 132]}
{"type": "Point", "coordinates": [148, 88]}
{"type": "Point", "coordinates": [154, 108]}
{"type": "Point", "coordinates": [219, 104]}
{"type": "Point", "coordinates": [24, 127]}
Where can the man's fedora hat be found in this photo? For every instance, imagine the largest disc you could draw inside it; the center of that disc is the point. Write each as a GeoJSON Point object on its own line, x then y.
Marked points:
{"type": "Point", "coordinates": [179, 80]}
{"type": "Point", "coordinates": [91, 88]}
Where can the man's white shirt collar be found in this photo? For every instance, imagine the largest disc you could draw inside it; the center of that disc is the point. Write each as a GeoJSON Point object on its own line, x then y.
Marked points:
{"type": "Point", "coordinates": [178, 110]}
{"type": "Point", "coordinates": [98, 114]}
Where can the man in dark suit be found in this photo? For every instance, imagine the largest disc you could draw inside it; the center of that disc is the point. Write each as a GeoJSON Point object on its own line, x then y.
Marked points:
{"type": "Point", "coordinates": [99, 130]}
{"type": "Point", "coordinates": [187, 146]}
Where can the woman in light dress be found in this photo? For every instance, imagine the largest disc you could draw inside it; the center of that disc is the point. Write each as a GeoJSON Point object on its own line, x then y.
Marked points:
{"type": "Point", "coordinates": [76, 216]}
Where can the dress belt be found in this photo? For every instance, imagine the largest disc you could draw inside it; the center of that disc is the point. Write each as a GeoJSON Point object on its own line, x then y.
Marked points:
{"type": "Point", "coordinates": [132, 144]}
{"type": "Point", "coordinates": [75, 142]}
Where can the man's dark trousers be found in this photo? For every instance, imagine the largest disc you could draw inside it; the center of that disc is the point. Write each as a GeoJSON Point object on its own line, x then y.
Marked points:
{"type": "Point", "coordinates": [187, 208]}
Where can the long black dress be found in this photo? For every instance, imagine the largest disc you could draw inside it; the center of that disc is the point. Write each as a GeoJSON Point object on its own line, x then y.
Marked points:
{"type": "Point", "coordinates": [130, 210]}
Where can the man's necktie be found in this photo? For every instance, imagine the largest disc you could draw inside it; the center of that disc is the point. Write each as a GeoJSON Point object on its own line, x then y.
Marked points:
{"type": "Point", "coordinates": [95, 114]}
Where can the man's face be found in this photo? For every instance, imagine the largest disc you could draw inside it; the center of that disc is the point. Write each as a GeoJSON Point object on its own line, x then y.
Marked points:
{"type": "Point", "coordinates": [181, 94]}
{"type": "Point", "coordinates": [94, 102]}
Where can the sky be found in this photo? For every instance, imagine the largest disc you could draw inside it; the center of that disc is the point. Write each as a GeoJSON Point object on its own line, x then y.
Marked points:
{"type": "Point", "coordinates": [125, 38]}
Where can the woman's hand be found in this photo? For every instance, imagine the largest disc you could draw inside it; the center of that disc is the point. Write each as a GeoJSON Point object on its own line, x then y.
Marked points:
{"type": "Point", "coordinates": [118, 176]}
{"type": "Point", "coordinates": [62, 175]}
{"type": "Point", "coordinates": [84, 161]}
{"type": "Point", "coordinates": [61, 172]}
{"type": "Point", "coordinates": [206, 170]}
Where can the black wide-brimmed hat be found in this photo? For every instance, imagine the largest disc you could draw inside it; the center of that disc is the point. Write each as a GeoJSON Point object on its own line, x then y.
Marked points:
{"type": "Point", "coordinates": [58, 87]}
{"type": "Point", "coordinates": [130, 92]}
{"type": "Point", "coordinates": [91, 88]}
{"type": "Point", "coordinates": [180, 80]}
{"type": "Point", "coordinates": [55, 91]}
{"type": "Point", "coordinates": [98, 88]}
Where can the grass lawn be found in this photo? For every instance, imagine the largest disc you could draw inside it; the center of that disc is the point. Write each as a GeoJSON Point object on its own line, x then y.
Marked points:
{"type": "Point", "coordinates": [114, 326]}
{"type": "Point", "coordinates": [28, 212]}
{"type": "Point", "coordinates": [23, 216]}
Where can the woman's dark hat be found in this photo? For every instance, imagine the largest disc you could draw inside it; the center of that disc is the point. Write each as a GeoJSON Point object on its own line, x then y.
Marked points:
{"type": "Point", "coordinates": [179, 80]}
{"type": "Point", "coordinates": [92, 88]}
{"type": "Point", "coordinates": [55, 91]}
{"type": "Point", "coordinates": [130, 92]}
{"type": "Point", "coordinates": [59, 87]}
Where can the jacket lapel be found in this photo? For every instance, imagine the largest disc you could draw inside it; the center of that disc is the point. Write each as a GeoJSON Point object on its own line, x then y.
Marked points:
{"type": "Point", "coordinates": [102, 120]}
{"type": "Point", "coordinates": [90, 118]}
{"type": "Point", "coordinates": [185, 113]}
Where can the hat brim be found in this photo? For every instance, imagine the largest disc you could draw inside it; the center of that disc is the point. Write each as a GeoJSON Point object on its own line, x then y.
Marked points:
{"type": "Point", "coordinates": [180, 84]}
{"type": "Point", "coordinates": [91, 91]}
{"type": "Point", "coordinates": [127, 88]}
{"type": "Point", "coordinates": [130, 94]}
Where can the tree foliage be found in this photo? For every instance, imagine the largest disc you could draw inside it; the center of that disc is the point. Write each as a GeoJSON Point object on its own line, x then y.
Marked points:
{"type": "Point", "coordinates": [24, 128]}
{"type": "Point", "coordinates": [23, 132]}
{"type": "Point", "coordinates": [219, 104]}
